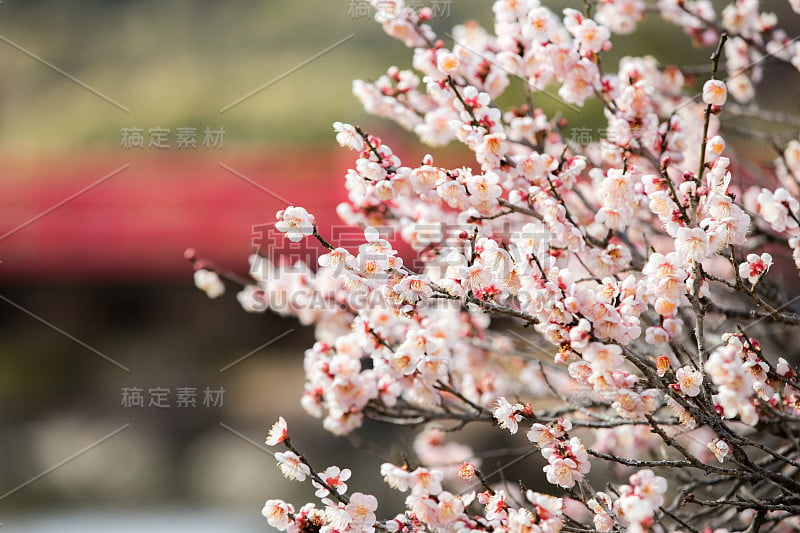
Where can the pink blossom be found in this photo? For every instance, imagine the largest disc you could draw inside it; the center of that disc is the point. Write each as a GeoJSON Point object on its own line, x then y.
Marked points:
{"type": "Point", "coordinates": [562, 472]}
{"type": "Point", "coordinates": [278, 514]}
{"type": "Point", "coordinates": [692, 244]}
{"type": "Point", "coordinates": [715, 92]}
{"type": "Point", "coordinates": [447, 62]}
{"type": "Point", "coordinates": [292, 466]}
{"type": "Point", "coordinates": [277, 433]}
{"type": "Point", "coordinates": [348, 136]}
{"type": "Point", "coordinates": [467, 471]}
{"type": "Point", "coordinates": [755, 267]}
{"type": "Point", "coordinates": [424, 481]}
{"type": "Point", "coordinates": [565, 270]}
{"type": "Point", "coordinates": [591, 37]}
{"type": "Point", "coordinates": [567, 466]}
{"type": "Point", "coordinates": [603, 357]}
{"type": "Point", "coordinates": [649, 486]}
{"type": "Point", "coordinates": [507, 415]}
{"type": "Point", "coordinates": [396, 477]}
{"type": "Point", "coordinates": [295, 222]}
{"type": "Point", "coordinates": [496, 506]}
{"type": "Point", "coordinates": [689, 380]}
{"type": "Point", "coordinates": [719, 448]}
{"type": "Point", "coordinates": [361, 510]}
{"type": "Point", "coordinates": [209, 282]}
{"type": "Point", "coordinates": [334, 478]}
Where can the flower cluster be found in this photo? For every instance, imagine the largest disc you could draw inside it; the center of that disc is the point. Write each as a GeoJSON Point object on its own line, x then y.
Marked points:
{"type": "Point", "coordinates": [634, 264]}
{"type": "Point", "coordinates": [635, 506]}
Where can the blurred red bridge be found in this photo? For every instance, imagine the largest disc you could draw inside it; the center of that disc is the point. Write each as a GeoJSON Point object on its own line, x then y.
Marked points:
{"type": "Point", "coordinates": [130, 217]}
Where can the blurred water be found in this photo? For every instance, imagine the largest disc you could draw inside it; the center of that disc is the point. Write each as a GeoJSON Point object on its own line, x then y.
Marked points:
{"type": "Point", "coordinates": [172, 521]}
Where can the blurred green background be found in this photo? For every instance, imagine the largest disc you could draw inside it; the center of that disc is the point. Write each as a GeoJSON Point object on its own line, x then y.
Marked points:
{"type": "Point", "coordinates": [174, 64]}
{"type": "Point", "coordinates": [179, 62]}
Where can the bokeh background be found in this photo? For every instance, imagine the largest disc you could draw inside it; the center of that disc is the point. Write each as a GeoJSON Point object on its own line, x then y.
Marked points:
{"type": "Point", "coordinates": [95, 296]}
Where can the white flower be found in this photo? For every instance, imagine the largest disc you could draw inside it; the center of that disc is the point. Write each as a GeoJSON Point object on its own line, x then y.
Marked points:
{"type": "Point", "coordinates": [295, 222]}
{"type": "Point", "coordinates": [252, 299]}
{"type": "Point", "coordinates": [496, 506]}
{"type": "Point", "coordinates": [348, 137]}
{"type": "Point", "coordinates": [783, 368]}
{"type": "Point", "coordinates": [277, 513]}
{"type": "Point", "coordinates": [209, 282]}
{"type": "Point", "coordinates": [540, 24]}
{"type": "Point", "coordinates": [543, 436]}
{"type": "Point", "coordinates": [334, 478]}
{"type": "Point", "coordinates": [719, 448]}
{"type": "Point", "coordinates": [689, 380]}
{"type": "Point", "coordinates": [292, 466]}
{"type": "Point", "coordinates": [778, 209]}
{"type": "Point", "coordinates": [566, 470]}
{"type": "Point", "coordinates": [603, 357]}
{"type": "Point", "coordinates": [278, 432]}
{"type": "Point", "coordinates": [562, 472]}
{"type": "Point", "coordinates": [447, 62]}
{"type": "Point", "coordinates": [692, 244]}
{"type": "Point", "coordinates": [714, 148]}
{"type": "Point", "coordinates": [426, 482]}
{"type": "Point", "coordinates": [484, 186]}
{"type": "Point", "coordinates": [755, 267]}
{"type": "Point", "coordinates": [335, 260]}
{"type": "Point", "coordinates": [506, 415]}
{"type": "Point", "coordinates": [590, 36]}
{"type": "Point", "coordinates": [649, 486]}
{"type": "Point", "coordinates": [450, 508]}
{"type": "Point", "coordinates": [413, 289]}
{"type": "Point", "coordinates": [361, 510]}
{"type": "Point", "coordinates": [396, 477]}
{"type": "Point", "coordinates": [467, 471]}
{"type": "Point", "coordinates": [715, 92]}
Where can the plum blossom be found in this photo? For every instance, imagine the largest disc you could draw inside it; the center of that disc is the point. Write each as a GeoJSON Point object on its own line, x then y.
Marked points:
{"type": "Point", "coordinates": [467, 471]}
{"type": "Point", "coordinates": [735, 385]}
{"type": "Point", "coordinates": [396, 477]}
{"type": "Point", "coordinates": [277, 433]}
{"type": "Point", "coordinates": [719, 448]}
{"type": "Point", "coordinates": [292, 466]}
{"type": "Point", "coordinates": [334, 478]}
{"type": "Point", "coordinates": [546, 436]}
{"type": "Point", "coordinates": [295, 222]}
{"type": "Point", "coordinates": [447, 62]}
{"type": "Point", "coordinates": [588, 279]}
{"type": "Point", "coordinates": [562, 472]}
{"type": "Point", "coordinates": [715, 92]}
{"type": "Point", "coordinates": [361, 510]}
{"type": "Point", "coordinates": [209, 282]}
{"type": "Point", "coordinates": [348, 137]}
{"type": "Point", "coordinates": [424, 481]}
{"type": "Point", "coordinates": [755, 267]}
{"type": "Point", "coordinates": [253, 299]}
{"type": "Point", "coordinates": [507, 415]}
{"type": "Point", "coordinates": [591, 37]}
{"type": "Point", "coordinates": [649, 486]}
{"type": "Point", "coordinates": [567, 464]}
{"type": "Point", "coordinates": [621, 16]}
{"type": "Point", "coordinates": [778, 209]}
{"type": "Point", "coordinates": [692, 244]}
{"type": "Point", "coordinates": [689, 380]}
{"type": "Point", "coordinates": [603, 357]}
{"type": "Point", "coordinates": [636, 504]}
{"type": "Point", "coordinates": [278, 514]}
